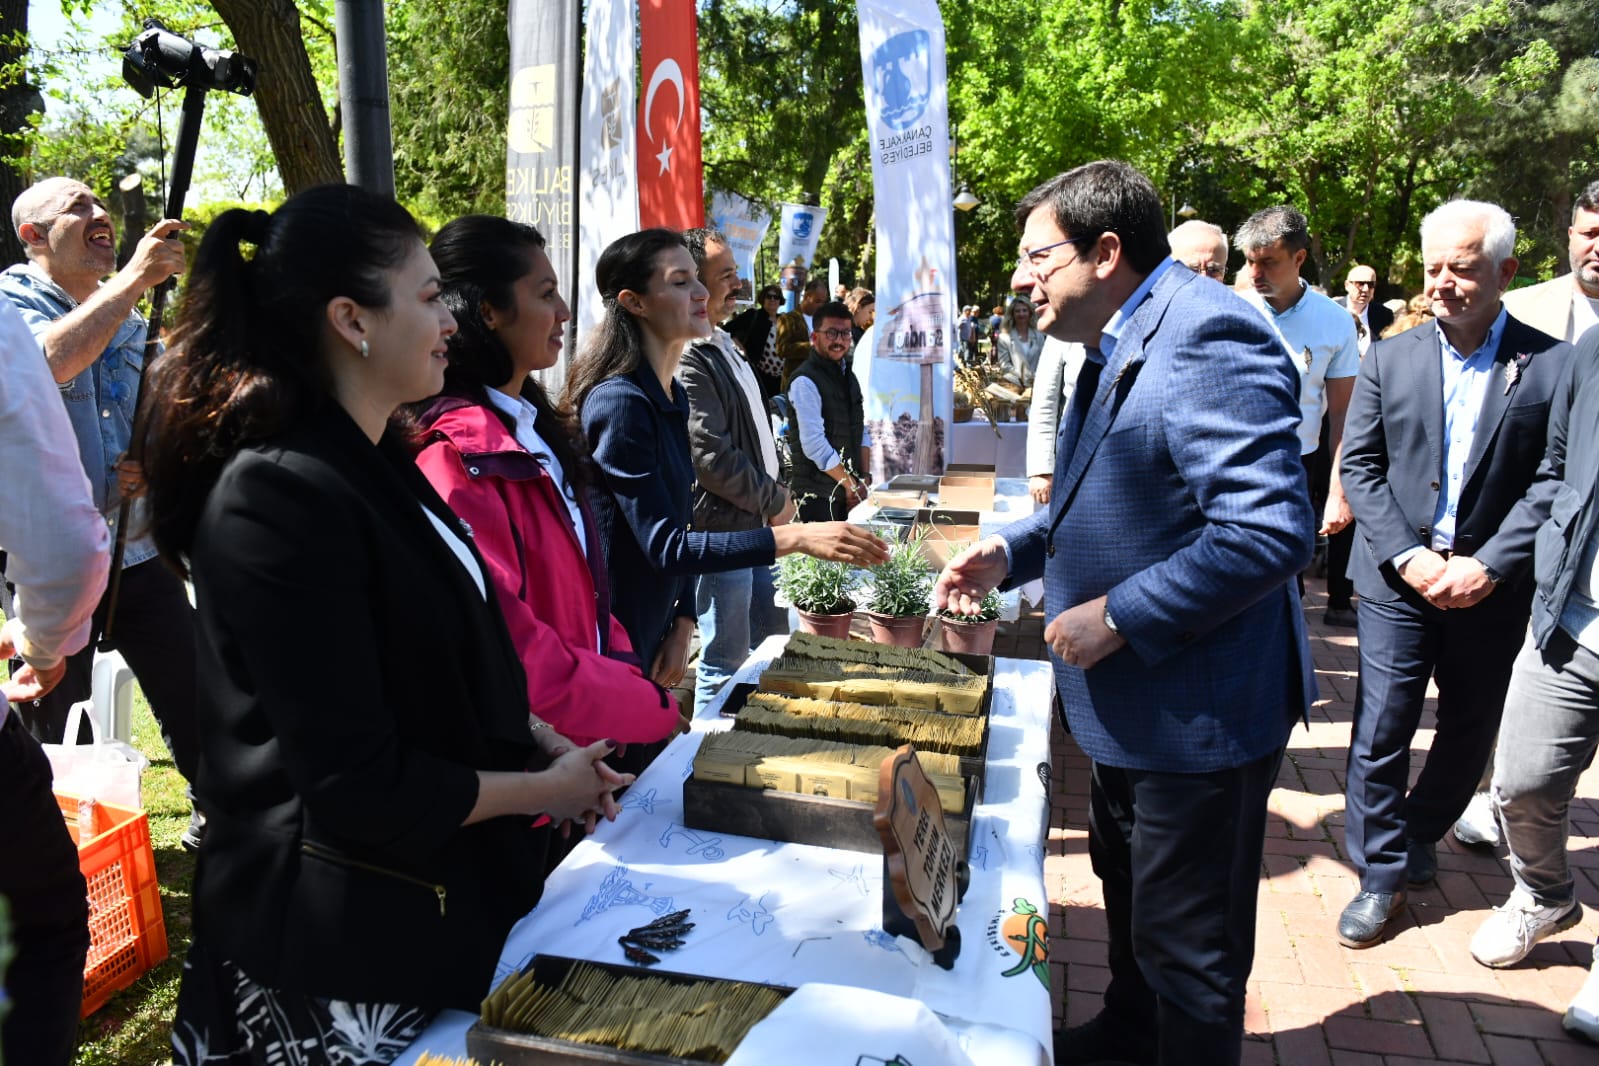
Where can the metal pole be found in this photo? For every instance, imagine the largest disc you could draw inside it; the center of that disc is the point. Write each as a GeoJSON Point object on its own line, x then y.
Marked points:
{"type": "Point", "coordinates": [364, 94]}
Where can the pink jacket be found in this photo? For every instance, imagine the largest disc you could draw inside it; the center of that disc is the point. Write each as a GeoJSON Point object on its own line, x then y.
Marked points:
{"type": "Point", "coordinates": [555, 599]}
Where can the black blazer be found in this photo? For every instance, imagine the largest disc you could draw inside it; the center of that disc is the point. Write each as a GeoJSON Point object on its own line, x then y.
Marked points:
{"type": "Point", "coordinates": [1378, 317]}
{"type": "Point", "coordinates": [1393, 456]}
{"type": "Point", "coordinates": [352, 680]}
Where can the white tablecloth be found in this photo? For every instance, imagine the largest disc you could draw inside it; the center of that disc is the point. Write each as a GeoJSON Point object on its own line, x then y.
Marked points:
{"type": "Point", "coordinates": [974, 442]}
{"type": "Point", "coordinates": [791, 913]}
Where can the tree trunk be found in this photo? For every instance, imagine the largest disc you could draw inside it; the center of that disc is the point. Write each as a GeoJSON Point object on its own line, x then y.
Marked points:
{"type": "Point", "coordinates": [18, 100]}
{"type": "Point", "coordinates": [268, 31]}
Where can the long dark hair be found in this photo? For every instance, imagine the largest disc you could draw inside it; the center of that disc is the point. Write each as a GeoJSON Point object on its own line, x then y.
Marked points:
{"type": "Point", "coordinates": [616, 345]}
{"type": "Point", "coordinates": [480, 259]}
{"type": "Point", "coordinates": [246, 360]}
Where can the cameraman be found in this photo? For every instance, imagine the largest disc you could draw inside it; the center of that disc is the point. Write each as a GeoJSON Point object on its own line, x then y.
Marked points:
{"type": "Point", "coordinates": [93, 341]}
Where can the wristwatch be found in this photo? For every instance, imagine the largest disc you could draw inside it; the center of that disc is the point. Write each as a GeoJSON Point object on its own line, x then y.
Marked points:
{"type": "Point", "coordinates": [1110, 623]}
{"type": "Point", "coordinates": [1489, 572]}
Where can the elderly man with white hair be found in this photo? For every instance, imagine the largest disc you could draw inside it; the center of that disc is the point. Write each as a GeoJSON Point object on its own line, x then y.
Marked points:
{"type": "Point", "coordinates": [1443, 438]}
{"type": "Point", "coordinates": [1201, 247]}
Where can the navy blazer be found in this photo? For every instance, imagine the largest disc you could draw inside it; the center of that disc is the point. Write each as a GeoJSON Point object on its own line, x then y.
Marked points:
{"type": "Point", "coordinates": [643, 507]}
{"type": "Point", "coordinates": [1567, 483]}
{"type": "Point", "coordinates": [1392, 467]}
{"type": "Point", "coordinates": [1185, 501]}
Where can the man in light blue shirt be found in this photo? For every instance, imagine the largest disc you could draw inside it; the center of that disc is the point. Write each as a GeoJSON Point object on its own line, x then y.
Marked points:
{"type": "Point", "coordinates": [1444, 436]}
{"type": "Point", "coordinates": [1322, 341]}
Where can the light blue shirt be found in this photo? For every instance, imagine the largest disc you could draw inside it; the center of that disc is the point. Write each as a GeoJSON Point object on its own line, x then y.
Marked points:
{"type": "Point", "coordinates": [1118, 322]}
{"type": "Point", "coordinates": [807, 403]}
{"type": "Point", "coordinates": [1466, 380]}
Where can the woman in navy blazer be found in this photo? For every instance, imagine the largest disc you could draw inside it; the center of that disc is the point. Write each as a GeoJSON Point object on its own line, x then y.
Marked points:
{"type": "Point", "coordinates": [635, 418]}
{"type": "Point", "coordinates": [364, 763]}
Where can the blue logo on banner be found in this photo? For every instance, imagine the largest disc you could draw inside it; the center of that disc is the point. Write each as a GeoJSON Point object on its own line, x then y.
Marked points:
{"type": "Point", "coordinates": [902, 76]}
{"type": "Point", "coordinates": [801, 224]}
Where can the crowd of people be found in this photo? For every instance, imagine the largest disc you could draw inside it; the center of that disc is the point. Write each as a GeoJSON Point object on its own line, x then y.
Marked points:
{"type": "Point", "coordinates": [438, 612]}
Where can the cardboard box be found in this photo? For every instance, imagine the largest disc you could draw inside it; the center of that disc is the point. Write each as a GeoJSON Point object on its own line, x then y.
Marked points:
{"type": "Point", "coordinates": [911, 498]}
{"type": "Point", "coordinates": [970, 470]}
{"type": "Point", "coordinates": [969, 493]}
{"type": "Point", "coordinates": [950, 531]}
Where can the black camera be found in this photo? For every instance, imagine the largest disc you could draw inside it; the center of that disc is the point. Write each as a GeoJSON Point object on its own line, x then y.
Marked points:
{"type": "Point", "coordinates": [159, 57]}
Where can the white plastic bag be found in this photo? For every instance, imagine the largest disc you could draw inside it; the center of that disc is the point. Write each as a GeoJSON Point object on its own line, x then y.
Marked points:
{"type": "Point", "coordinates": [107, 771]}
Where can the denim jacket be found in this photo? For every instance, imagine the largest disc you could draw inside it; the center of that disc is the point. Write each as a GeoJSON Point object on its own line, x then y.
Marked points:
{"type": "Point", "coordinates": [99, 401]}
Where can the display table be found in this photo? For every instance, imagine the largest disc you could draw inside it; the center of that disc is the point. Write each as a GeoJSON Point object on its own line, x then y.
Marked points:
{"type": "Point", "coordinates": [975, 442]}
{"type": "Point", "coordinates": [790, 913]}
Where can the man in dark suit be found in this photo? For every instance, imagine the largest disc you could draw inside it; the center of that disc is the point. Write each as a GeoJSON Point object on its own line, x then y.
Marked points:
{"type": "Point", "coordinates": [1178, 518]}
{"type": "Point", "coordinates": [1371, 317]}
{"type": "Point", "coordinates": [1443, 437]}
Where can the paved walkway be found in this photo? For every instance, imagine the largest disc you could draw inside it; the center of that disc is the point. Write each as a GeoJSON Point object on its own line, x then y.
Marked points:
{"type": "Point", "coordinates": [1418, 997]}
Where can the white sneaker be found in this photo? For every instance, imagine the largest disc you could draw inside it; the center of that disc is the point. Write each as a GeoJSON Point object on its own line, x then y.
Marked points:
{"type": "Point", "coordinates": [1478, 827]}
{"type": "Point", "coordinates": [1508, 934]}
{"type": "Point", "coordinates": [1582, 1017]}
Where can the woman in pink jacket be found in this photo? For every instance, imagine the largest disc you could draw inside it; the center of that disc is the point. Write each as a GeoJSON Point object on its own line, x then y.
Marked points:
{"type": "Point", "coordinates": [510, 464]}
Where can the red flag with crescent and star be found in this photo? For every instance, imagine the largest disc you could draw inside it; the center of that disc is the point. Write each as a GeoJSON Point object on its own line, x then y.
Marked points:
{"type": "Point", "coordinates": [671, 188]}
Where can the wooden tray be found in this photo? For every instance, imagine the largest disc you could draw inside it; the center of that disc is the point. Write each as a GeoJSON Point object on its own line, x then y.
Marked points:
{"type": "Point", "coordinates": [487, 1044]}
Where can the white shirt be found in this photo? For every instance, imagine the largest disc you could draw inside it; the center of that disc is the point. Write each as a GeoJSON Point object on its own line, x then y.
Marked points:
{"type": "Point", "coordinates": [59, 543]}
{"type": "Point", "coordinates": [1320, 336]}
{"type": "Point", "coordinates": [752, 395]}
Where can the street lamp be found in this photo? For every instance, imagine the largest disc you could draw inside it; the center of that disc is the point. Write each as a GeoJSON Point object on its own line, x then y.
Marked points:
{"type": "Point", "coordinates": [964, 200]}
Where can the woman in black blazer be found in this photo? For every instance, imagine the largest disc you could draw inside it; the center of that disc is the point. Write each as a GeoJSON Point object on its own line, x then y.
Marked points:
{"type": "Point", "coordinates": [635, 417]}
{"type": "Point", "coordinates": [365, 737]}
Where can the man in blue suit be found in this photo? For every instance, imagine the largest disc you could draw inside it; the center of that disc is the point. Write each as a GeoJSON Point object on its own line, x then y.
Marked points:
{"type": "Point", "coordinates": [1444, 435]}
{"type": "Point", "coordinates": [1178, 518]}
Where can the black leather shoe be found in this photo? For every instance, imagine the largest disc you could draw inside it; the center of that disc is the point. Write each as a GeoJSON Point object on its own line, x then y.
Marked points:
{"type": "Point", "coordinates": [1341, 616]}
{"type": "Point", "coordinates": [1106, 1038]}
{"type": "Point", "coordinates": [1421, 862]}
{"type": "Point", "coordinates": [1366, 916]}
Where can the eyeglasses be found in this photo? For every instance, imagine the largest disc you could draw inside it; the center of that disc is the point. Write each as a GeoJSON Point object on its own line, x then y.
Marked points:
{"type": "Point", "coordinates": [835, 334]}
{"type": "Point", "coordinates": [1363, 284]}
{"type": "Point", "coordinates": [770, 296]}
{"type": "Point", "coordinates": [1033, 258]}
{"type": "Point", "coordinates": [1210, 270]}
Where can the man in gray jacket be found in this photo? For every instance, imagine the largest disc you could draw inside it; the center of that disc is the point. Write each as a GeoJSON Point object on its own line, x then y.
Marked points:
{"type": "Point", "coordinates": [735, 466]}
{"type": "Point", "coordinates": [1551, 722]}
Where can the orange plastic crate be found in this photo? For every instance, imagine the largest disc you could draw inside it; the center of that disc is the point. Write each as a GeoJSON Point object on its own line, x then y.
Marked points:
{"type": "Point", "coordinates": [127, 934]}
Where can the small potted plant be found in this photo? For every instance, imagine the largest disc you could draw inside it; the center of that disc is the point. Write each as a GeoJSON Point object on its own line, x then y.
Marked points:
{"type": "Point", "coordinates": [972, 634]}
{"type": "Point", "coordinates": [820, 593]}
{"type": "Point", "coordinates": [901, 595]}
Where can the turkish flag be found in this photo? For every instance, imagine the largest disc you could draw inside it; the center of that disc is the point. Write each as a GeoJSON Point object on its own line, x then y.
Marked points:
{"type": "Point", "coordinates": [671, 189]}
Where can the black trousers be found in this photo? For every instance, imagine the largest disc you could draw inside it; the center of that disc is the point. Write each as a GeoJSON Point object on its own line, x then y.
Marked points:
{"type": "Point", "coordinates": [1179, 856]}
{"type": "Point", "coordinates": [830, 507]}
{"type": "Point", "coordinates": [1468, 652]}
{"type": "Point", "coordinates": [154, 631]}
{"type": "Point", "coordinates": [49, 908]}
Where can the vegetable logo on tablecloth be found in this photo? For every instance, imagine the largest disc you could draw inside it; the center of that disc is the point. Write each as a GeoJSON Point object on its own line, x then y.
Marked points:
{"type": "Point", "coordinates": [1024, 932]}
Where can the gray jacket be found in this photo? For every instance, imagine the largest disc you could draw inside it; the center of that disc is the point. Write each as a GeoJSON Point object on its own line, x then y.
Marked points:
{"type": "Point", "coordinates": [1566, 486]}
{"type": "Point", "coordinates": [731, 490]}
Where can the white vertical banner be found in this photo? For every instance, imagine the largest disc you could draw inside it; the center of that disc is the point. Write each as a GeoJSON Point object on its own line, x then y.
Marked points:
{"type": "Point", "coordinates": [907, 115]}
{"type": "Point", "coordinates": [608, 145]}
{"type": "Point", "coordinates": [744, 224]}
{"type": "Point", "coordinates": [796, 248]}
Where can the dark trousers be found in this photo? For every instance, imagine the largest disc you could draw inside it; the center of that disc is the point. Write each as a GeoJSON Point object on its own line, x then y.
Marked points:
{"type": "Point", "coordinates": [39, 879]}
{"type": "Point", "coordinates": [154, 631]}
{"type": "Point", "coordinates": [820, 507]}
{"type": "Point", "coordinates": [1468, 652]}
{"type": "Point", "coordinates": [1340, 590]}
{"type": "Point", "coordinates": [1179, 856]}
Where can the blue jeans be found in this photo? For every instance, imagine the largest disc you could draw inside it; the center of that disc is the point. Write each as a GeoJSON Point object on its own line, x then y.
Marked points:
{"type": "Point", "coordinates": [736, 613]}
{"type": "Point", "coordinates": [1547, 740]}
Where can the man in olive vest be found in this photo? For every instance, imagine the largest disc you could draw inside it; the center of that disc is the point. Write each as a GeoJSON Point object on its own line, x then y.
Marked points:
{"type": "Point", "coordinates": [827, 436]}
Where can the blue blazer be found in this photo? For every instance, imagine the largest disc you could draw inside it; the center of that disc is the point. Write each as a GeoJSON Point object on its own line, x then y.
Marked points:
{"type": "Point", "coordinates": [1393, 457]}
{"type": "Point", "coordinates": [1185, 501]}
{"type": "Point", "coordinates": [643, 504]}
{"type": "Point", "coordinates": [1568, 482]}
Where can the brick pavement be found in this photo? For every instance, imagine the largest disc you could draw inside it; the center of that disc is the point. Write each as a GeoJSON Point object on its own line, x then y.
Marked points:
{"type": "Point", "coordinates": [1416, 998]}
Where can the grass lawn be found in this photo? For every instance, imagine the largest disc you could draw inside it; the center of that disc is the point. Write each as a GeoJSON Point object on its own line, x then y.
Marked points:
{"type": "Point", "coordinates": [133, 1028]}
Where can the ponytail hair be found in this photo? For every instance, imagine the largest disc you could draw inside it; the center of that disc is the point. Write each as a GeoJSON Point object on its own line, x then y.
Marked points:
{"type": "Point", "coordinates": [247, 359]}
{"type": "Point", "coordinates": [480, 260]}
{"type": "Point", "coordinates": [616, 345]}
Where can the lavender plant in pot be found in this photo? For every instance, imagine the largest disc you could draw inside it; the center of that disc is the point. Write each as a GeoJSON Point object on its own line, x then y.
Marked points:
{"type": "Point", "coordinates": [901, 595]}
{"type": "Point", "coordinates": [972, 634]}
{"type": "Point", "coordinates": [820, 593]}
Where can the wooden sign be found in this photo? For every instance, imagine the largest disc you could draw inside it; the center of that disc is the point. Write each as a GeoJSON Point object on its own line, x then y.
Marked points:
{"type": "Point", "coordinates": [923, 877]}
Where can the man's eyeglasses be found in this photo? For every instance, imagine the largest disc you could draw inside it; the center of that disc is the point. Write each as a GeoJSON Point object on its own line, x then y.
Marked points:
{"type": "Point", "coordinates": [1033, 258]}
{"type": "Point", "coordinates": [835, 334]}
{"type": "Point", "coordinates": [1210, 270]}
{"type": "Point", "coordinates": [770, 296]}
{"type": "Point", "coordinates": [1363, 284]}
